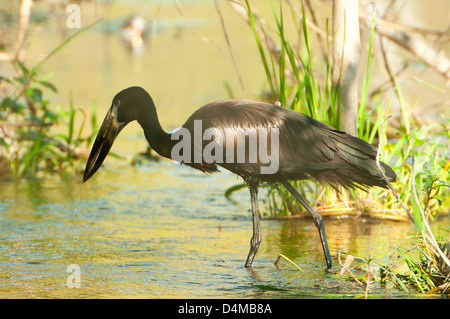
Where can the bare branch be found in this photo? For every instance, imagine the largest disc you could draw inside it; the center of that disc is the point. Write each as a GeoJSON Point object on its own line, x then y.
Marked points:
{"type": "Point", "coordinates": [397, 27]}
{"type": "Point", "coordinates": [417, 45]}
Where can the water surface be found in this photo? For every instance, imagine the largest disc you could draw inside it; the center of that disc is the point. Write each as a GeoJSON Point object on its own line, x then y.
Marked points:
{"type": "Point", "coordinates": [165, 231]}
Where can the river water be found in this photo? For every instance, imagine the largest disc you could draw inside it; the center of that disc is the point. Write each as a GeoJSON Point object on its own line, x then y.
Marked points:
{"type": "Point", "coordinates": [162, 230]}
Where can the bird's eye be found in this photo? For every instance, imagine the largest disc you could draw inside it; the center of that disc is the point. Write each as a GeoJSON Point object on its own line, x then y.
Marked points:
{"type": "Point", "coordinates": [117, 103]}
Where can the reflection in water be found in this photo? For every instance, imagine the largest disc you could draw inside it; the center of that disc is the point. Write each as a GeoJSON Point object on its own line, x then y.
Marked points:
{"type": "Point", "coordinates": [164, 230]}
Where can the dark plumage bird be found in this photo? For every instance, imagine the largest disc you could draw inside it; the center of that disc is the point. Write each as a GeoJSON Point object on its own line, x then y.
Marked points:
{"type": "Point", "coordinates": [300, 147]}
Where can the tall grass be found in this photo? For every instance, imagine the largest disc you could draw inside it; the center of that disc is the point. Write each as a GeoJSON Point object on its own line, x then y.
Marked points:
{"type": "Point", "coordinates": [292, 81]}
{"type": "Point", "coordinates": [420, 156]}
{"type": "Point", "coordinates": [292, 78]}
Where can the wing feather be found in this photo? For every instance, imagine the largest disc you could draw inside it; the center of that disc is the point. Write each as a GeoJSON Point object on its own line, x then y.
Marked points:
{"type": "Point", "coordinates": [307, 147]}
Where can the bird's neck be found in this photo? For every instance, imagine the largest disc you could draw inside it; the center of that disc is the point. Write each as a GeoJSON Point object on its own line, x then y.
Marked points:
{"type": "Point", "coordinates": [158, 139]}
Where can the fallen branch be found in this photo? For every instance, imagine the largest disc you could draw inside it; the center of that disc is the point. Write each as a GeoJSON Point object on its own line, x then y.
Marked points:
{"type": "Point", "coordinates": [344, 268]}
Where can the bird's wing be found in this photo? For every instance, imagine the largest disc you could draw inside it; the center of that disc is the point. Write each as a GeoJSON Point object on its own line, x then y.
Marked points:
{"type": "Point", "coordinates": [306, 146]}
{"type": "Point", "coordinates": [316, 145]}
{"type": "Point", "coordinates": [329, 155]}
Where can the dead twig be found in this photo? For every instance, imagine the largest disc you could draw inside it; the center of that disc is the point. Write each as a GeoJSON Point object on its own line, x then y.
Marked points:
{"type": "Point", "coordinates": [419, 46]}
{"type": "Point", "coordinates": [397, 27]}
{"type": "Point", "coordinates": [283, 256]}
{"type": "Point", "coordinates": [228, 42]}
{"type": "Point", "coordinates": [384, 175]}
{"type": "Point", "coordinates": [345, 267]}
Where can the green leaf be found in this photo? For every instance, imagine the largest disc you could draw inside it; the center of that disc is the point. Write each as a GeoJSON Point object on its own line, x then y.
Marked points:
{"type": "Point", "coordinates": [2, 78]}
{"type": "Point", "coordinates": [48, 85]}
{"type": "Point", "coordinates": [234, 188]}
{"type": "Point", "coordinates": [3, 143]}
{"type": "Point", "coordinates": [416, 212]}
{"type": "Point", "coordinates": [268, 288]}
{"type": "Point", "coordinates": [35, 95]}
{"type": "Point", "coordinates": [251, 18]}
{"type": "Point", "coordinates": [71, 120]}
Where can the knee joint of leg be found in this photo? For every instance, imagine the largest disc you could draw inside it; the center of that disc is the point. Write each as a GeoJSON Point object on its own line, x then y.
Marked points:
{"type": "Point", "coordinates": [256, 240]}
{"type": "Point", "coordinates": [318, 221]}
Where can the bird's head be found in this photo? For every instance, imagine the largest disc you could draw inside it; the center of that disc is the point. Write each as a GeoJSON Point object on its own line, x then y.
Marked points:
{"type": "Point", "coordinates": [126, 107]}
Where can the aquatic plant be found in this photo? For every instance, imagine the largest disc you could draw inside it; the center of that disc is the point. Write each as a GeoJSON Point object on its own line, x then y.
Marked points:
{"type": "Point", "coordinates": [28, 144]}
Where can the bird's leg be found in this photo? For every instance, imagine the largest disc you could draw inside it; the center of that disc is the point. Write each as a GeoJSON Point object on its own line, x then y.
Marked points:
{"type": "Point", "coordinates": [318, 220]}
{"type": "Point", "coordinates": [256, 238]}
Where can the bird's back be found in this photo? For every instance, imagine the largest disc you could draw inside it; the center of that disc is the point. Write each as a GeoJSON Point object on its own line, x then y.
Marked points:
{"type": "Point", "coordinates": [306, 147]}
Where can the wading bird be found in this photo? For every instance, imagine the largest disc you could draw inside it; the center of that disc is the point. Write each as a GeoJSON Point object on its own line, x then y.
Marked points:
{"type": "Point", "coordinates": [306, 148]}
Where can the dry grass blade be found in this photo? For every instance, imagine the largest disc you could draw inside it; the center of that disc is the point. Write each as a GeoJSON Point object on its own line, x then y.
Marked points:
{"type": "Point", "coordinates": [344, 267]}
{"type": "Point", "coordinates": [283, 256]}
{"type": "Point", "coordinates": [228, 42]}
{"type": "Point", "coordinates": [384, 175]}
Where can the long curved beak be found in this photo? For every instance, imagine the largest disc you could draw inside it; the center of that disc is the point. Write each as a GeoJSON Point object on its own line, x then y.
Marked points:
{"type": "Point", "coordinates": [103, 142]}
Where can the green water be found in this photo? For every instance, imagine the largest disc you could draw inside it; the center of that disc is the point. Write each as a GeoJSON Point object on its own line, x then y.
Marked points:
{"type": "Point", "coordinates": [165, 231]}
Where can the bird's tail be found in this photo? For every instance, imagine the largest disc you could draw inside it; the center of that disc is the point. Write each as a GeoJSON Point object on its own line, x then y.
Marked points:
{"type": "Point", "coordinates": [358, 164]}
